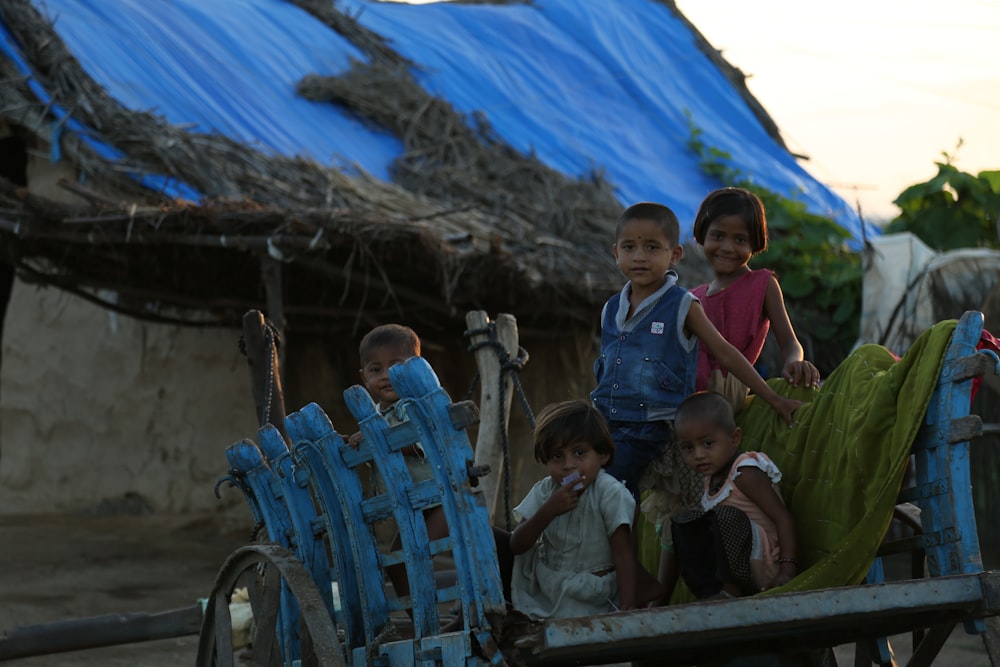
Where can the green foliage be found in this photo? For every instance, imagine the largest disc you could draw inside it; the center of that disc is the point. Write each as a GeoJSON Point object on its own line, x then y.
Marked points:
{"type": "Point", "coordinates": [819, 274]}
{"type": "Point", "coordinates": [954, 209]}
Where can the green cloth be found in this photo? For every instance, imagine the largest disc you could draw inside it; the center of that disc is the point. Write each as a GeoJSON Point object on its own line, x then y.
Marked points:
{"type": "Point", "coordinates": [843, 460]}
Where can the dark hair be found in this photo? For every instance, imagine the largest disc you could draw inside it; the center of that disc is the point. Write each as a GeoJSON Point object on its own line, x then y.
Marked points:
{"type": "Point", "coordinates": [560, 424]}
{"type": "Point", "coordinates": [658, 213]}
{"type": "Point", "coordinates": [386, 335]}
{"type": "Point", "coordinates": [733, 201]}
{"type": "Point", "coordinates": [707, 405]}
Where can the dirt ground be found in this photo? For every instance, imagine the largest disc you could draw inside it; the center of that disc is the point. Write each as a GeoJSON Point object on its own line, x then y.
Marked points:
{"type": "Point", "coordinates": [63, 567]}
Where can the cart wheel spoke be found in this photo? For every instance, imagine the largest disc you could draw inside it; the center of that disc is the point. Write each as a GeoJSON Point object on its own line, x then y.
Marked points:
{"type": "Point", "coordinates": [265, 613]}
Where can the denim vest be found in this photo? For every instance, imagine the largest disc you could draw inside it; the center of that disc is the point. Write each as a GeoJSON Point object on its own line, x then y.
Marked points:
{"type": "Point", "coordinates": [644, 371]}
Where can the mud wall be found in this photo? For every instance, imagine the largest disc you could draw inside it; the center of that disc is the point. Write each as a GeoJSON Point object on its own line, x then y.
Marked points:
{"type": "Point", "coordinates": [102, 413]}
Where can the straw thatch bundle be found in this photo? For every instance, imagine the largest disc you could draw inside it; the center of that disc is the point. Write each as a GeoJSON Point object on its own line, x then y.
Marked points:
{"type": "Point", "coordinates": [451, 158]}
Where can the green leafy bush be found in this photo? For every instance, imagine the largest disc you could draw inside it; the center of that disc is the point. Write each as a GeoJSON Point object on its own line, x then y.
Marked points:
{"type": "Point", "coordinates": [954, 209]}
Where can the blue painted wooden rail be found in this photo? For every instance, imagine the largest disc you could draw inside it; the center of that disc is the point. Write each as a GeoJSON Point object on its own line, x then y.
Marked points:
{"type": "Point", "coordinates": [943, 490]}
{"type": "Point", "coordinates": [311, 500]}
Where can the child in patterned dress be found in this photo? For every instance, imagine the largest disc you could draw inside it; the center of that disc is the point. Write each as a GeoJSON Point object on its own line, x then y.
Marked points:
{"type": "Point", "coordinates": [743, 538]}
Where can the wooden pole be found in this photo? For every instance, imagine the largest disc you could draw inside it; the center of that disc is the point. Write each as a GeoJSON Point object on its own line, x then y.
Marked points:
{"type": "Point", "coordinates": [489, 450]}
{"type": "Point", "coordinates": [265, 372]}
{"type": "Point", "coordinates": [109, 630]}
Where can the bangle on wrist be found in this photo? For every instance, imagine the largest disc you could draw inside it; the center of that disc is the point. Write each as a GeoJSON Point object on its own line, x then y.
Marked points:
{"type": "Point", "coordinates": [785, 559]}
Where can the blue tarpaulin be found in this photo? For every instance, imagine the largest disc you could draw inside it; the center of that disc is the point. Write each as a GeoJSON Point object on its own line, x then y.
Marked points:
{"type": "Point", "coordinates": [584, 85]}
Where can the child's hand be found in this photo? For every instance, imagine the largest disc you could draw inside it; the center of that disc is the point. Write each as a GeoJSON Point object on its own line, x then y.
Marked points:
{"type": "Point", "coordinates": [784, 576]}
{"type": "Point", "coordinates": [563, 499]}
{"type": "Point", "coordinates": [355, 439]}
{"type": "Point", "coordinates": [801, 373]}
{"type": "Point", "coordinates": [786, 407]}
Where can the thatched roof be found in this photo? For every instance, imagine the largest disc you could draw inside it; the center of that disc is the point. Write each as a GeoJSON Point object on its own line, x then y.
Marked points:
{"type": "Point", "coordinates": [409, 260]}
{"type": "Point", "coordinates": [468, 222]}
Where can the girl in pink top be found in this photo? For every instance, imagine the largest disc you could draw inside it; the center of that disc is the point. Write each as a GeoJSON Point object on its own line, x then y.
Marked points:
{"type": "Point", "coordinates": [742, 304]}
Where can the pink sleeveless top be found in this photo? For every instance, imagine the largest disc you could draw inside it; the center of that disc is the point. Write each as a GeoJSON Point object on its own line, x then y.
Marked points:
{"type": "Point", "coordinates": [738, 313]}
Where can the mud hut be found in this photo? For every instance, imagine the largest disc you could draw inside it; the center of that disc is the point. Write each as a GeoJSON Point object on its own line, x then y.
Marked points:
{"type": "Point", "coordinates": [168, 166]}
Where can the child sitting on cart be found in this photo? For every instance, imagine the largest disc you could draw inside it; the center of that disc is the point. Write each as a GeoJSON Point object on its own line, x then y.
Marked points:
{"type": "Point", "coordinates": [573, 553]}
{"type": "Point", "coordinates": [742, 541]}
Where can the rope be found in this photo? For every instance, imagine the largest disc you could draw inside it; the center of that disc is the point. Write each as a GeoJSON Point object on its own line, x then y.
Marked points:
{"type": "Point", "coordinates": [388, 634]}
{"type": "Point", "coordinates": [508, 366]}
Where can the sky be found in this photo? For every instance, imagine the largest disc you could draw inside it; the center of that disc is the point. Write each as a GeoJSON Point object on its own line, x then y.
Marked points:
{"type": "Point", "coordinates": [873, 92]}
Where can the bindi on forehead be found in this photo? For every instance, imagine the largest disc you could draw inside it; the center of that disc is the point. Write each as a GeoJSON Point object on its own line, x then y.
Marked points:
{"type": "Point", "coordinates": [643, 230]}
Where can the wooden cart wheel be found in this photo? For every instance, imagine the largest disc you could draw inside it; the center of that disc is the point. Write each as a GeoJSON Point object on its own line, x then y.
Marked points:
{"type": "Point", "coordinates": [267, 570]}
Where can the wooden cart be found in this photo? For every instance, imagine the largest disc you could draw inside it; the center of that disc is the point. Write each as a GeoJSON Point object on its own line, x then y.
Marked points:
{"type": "Point", "coordinates": [316, 581]}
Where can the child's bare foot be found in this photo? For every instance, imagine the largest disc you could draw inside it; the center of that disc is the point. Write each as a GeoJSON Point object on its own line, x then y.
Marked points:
{"type": "Point", "coordinates": [728, 592]}
{"type": "Point", "coordinates": [664, 599]}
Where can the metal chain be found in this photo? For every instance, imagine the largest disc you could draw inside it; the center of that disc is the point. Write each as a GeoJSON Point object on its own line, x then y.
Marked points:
{"type": "Point", "coordinates": [272, 361]}
{"type": "Point", "coordinates": [273, 339]}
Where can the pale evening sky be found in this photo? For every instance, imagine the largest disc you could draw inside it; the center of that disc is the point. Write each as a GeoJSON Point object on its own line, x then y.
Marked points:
{"type": "Point", "coordinates": [873, 91]}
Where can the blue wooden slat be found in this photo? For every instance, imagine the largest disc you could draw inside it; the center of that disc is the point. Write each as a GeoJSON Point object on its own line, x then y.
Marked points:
{"type": "Point", "coordinates": [410, 523]}
{"type": "Point", "coordinates": [950, 464]}
{"type": "Point", "coordinates": [237, 477]}
{"type": "Point", "coordinates": [376, 508]}
{"type": "Point", "coordinates": [309, 546]}
{"type": "Point", "coordinates": [924, 491]}
{"type": "Point", "coordinates": [318, 448]}
{"type": "Point", "coordinates": [399, 654]}
{"type": "Point", "coordinates": [950, 517]}
{"type": "Point", "coordinates": [246, 458]}
{"type": "Point", "coordinates": [424, 494]}
{"type": "Point", "coordinates": [399, 436]}
{"type": "Point", "coordinates": [449, 453]}
{"type": "Point", "coordinates": [446, 649]}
